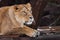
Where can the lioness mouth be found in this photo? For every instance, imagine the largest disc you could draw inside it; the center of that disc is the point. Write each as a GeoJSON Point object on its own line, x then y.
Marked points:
{"type": "Point", "coordinates": [27, 23]}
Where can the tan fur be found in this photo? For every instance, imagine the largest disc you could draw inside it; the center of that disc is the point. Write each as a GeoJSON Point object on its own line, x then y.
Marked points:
{"type": "Point", "coordinates": [12, 19]}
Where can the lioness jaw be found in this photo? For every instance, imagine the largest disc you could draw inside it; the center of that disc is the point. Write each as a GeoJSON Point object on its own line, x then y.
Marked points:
{"type": "Point", "coordinates": [15, 27]}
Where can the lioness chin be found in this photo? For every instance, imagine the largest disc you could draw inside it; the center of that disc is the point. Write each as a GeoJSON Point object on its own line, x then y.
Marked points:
{"type": "Point", "coordinates": [13, 18]}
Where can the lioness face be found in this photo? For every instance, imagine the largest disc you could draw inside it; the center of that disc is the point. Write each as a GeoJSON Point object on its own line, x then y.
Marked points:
{"type": "Point", "coordinates": [24, 14]}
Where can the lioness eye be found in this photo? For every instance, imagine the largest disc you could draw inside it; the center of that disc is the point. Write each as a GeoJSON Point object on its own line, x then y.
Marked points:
{"type": "Point", "coordinates": [25, 13]}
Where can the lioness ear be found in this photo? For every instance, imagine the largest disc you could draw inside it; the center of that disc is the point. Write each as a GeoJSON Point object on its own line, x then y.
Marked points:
{"type": "Point", "coordinates": [28, 5]}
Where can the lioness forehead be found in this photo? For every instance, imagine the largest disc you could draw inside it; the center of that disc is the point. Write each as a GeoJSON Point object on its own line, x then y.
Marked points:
{"type": "Point", "coordinates": [24, 7]}
{"type": "Point", "coordinates": [28, 5]}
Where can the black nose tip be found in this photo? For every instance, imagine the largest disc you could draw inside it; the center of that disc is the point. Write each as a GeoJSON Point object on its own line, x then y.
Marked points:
{"type": "Point", "coordinates": [30, 17]}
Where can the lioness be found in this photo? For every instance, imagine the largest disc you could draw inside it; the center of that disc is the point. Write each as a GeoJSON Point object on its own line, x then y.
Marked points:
{"type": "Point", "coordinates": [13, 18]}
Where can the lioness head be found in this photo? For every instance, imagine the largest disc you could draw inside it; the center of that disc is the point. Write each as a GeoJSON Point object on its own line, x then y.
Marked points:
{"type": "Point", "coordinates": [23, 13]}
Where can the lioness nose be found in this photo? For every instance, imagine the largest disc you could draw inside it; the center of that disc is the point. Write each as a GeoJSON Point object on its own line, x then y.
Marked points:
{"type": "Point", "coordinates": [30, 17]}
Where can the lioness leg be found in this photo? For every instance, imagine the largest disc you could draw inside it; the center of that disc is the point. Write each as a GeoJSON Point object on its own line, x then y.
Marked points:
{"type": "Point", "coordinates": [29, 31]}
{"type": "Point", "coordinates": [26, 30]}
